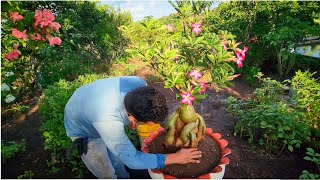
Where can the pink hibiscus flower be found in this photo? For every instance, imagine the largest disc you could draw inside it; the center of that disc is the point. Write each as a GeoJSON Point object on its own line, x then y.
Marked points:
{"type": "Point", "coordinates": [55, 26]}
{"type": "Point", "coordinates": [14, 16]}
{"type": "Point", "coordinates": [37, 37]}
{"type": "Point", "coordinates": [55, 41]}
{"type": "Point", "coordinates": [43, 18]}
{"type": "Point", "coordinates": [14, 54]}
{"type": "Point", "coordinates": [18, 34]}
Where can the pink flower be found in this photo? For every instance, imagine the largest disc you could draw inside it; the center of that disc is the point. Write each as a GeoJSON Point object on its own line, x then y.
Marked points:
{"type": "Point", "coordinates": [225, 46]}
{"type": "Point", "coordinates": [204, 87]}
{"type": "Point", "coordinates": [37, 37]}
{"type": "Point", "coordinates": [187, 98]}
{"type": "Point", "coordinates": [240, 59]}
{"type": "Point", "coordinates": [176, 58]}
{"type": "Point", "coordinates": [214, 51]}
{"type": "Point", "coordinates": [253, 40]}
{"type": "Point", "coordinates": [196, 74]}
{"type": "Point", "coordinates": [170, 28]}
{"type": "Point", "coordinates": [14, 16]}
{"type": "Point", "coordinates": [241, 55]}
{"type": "Point", "coordinates": [55, 26]}
{"type": "Point", "coordinates": [233, 76]}
{"type": "Point", "coordinates": [196, 28]}
{"type": "Point", "coordinates": [38, 17]}
{"type": "Point", "coordinates": [55, 40]}
{"type": "Point", "coordinates": [14, 54]}
{"type": "Point", "coordinates": [243, 52]}
{"type": "Point", "coordinates": [18, 34]}
{"type": "Point", "coordinates": [43, 18]}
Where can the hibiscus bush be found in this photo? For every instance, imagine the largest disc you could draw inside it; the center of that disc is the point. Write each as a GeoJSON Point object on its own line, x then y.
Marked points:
{"type": "Point", "coordinates": [24, 34]}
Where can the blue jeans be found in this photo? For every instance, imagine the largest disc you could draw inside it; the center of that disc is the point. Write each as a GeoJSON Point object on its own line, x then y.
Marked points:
{"type": "Point", "coordinates": [102, 162]}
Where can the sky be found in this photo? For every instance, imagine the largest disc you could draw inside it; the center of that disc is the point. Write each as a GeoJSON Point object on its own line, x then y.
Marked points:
{"type": "Point", "coordinates": [141, 8]}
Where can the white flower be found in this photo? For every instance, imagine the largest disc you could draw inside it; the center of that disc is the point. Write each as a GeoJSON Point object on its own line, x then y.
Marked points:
{"type": "Point", "coordinates": [9, 98]}
{"type": "Point", "coordinates": [9, 74]}
{"type": "Point", "coordinates": [5, 87]}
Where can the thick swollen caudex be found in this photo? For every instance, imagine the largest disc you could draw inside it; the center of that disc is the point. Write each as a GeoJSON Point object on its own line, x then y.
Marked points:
{"type": "Point", "coordinates": [201, 128]}
{"type": "Point", "coordinates": [186, 134]}
{"type": "Point", "coordinates": [170, 126]}
{"type": "Point", "coordinates": [185, 127]}
{"type": "Point", "coordinates": [187, 114]}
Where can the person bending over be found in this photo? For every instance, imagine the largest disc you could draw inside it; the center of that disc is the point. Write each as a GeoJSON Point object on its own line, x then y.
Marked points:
{"type": "Point", "coordinates": [95, 117]}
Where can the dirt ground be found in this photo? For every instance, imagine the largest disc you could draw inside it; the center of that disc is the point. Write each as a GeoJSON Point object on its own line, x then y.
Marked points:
{"type": "Point", "coordinates": [245, 161]}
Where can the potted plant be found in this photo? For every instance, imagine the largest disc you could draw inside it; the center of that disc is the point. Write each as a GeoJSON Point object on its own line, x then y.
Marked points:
{"type": "Point", "coordinates": [189, 60]}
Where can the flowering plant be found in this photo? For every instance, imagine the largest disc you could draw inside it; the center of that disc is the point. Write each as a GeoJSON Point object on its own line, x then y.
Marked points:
{"type": "Point", "coordinates": [24, 33]}
{"type": "Point", "coordinates": [189, 62]}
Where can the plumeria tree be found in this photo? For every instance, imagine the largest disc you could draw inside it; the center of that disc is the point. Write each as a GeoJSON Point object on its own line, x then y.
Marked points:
{"type": "Point", "coordinates": [24, 33]}
{"type": "Point", "coordinates": [188, 61]}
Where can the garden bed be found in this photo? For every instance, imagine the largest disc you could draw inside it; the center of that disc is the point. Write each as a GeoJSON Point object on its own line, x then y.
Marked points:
{"type": "Point", "coordinates": [245, 161]}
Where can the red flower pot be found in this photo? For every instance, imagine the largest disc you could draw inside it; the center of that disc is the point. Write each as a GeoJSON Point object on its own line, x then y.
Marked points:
{"type": "Point", "coordinates": [216, 173]}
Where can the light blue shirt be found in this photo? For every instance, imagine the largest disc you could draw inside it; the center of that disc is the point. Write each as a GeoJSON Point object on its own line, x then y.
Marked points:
{"type": "Point", "coordinates": [97, 110]}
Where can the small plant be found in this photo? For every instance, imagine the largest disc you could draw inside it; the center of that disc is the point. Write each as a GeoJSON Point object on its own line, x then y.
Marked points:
{"type": "Point", "coordinates": [11, 149]}
{"type": "Point", "coordinates": [26, 175]}
{"type": "Point", "coordinates": [251, 76]}
{"type": "Point", "coordinates": [315, 158]}
{"type": "Point", "coordinates": [133, 136]}
{"type": "Point", "coordinates": [273, 119]}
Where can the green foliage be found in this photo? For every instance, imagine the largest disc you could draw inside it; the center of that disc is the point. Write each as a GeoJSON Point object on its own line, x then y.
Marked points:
{"type": "Point", "coordinates": [315, 158]}
{"type": "Point", "coordinates": [26, 175]}
{"type": "Point", "coordinates": [133, 136]}
{"type": "Point", "coordinates": [251, 75]}
{"type": "Point", "coordinates": [91, 41]}
{"type": "Point", "coordinates": [307, 98]}
{"type": "Point", "coordinates": [12, 148]}
{"type": "Point", "coordinates": [174, 54]}
{"type": "Point", "coordinates": [278, 26]}
{"type": "Point", "coordinates": [51, 109]}
{"type": "Point", "coordinates": [276, 117]}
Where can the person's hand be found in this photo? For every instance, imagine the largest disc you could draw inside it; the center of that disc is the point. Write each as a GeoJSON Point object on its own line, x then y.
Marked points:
{"type": "Point", "coordinates": [184, 156]}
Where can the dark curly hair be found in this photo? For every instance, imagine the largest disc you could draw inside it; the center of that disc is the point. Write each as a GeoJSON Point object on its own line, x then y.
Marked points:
{"type": "Point", "coordinates": [146, 104]}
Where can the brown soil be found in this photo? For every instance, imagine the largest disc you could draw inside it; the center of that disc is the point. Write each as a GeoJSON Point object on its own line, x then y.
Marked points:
{"type": "Point", "coordinates": [211, 155]}
{"type": "Point", "coordinates": [245, 161]}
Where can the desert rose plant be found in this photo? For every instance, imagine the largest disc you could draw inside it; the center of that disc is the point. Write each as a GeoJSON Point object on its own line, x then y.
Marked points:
{"type": "Point", "coordinates": [24, 33]}
{"type": "Point", "coordinates": [188, 62]}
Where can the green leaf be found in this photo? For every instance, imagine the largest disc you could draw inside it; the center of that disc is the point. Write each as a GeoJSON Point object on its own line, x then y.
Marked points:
{"type": "Point", "coordinates": [290, 148]}
{"type": "Point", "coordinates": [307, 158]}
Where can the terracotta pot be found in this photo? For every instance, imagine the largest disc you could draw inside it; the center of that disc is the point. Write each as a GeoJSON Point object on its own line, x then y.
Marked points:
{"type": "Point", "coordinates": [218, 170]}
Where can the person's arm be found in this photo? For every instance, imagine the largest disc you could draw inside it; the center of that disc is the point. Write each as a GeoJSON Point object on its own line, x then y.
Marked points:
{"type": "Point", "coordinates": [113, 134]}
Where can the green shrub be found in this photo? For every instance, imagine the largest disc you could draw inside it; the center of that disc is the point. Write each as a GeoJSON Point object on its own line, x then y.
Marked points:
{"type": "Point", "coordinates": [51, 109]}
{"type": "Point", "coordinates": [315, 158]}
{"type": "Point", "coordinates": [276, 117]}
{"type": "Point", "coordinates": [12, 148]}
{"type": "Point", "coordinates": [26, 175]}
